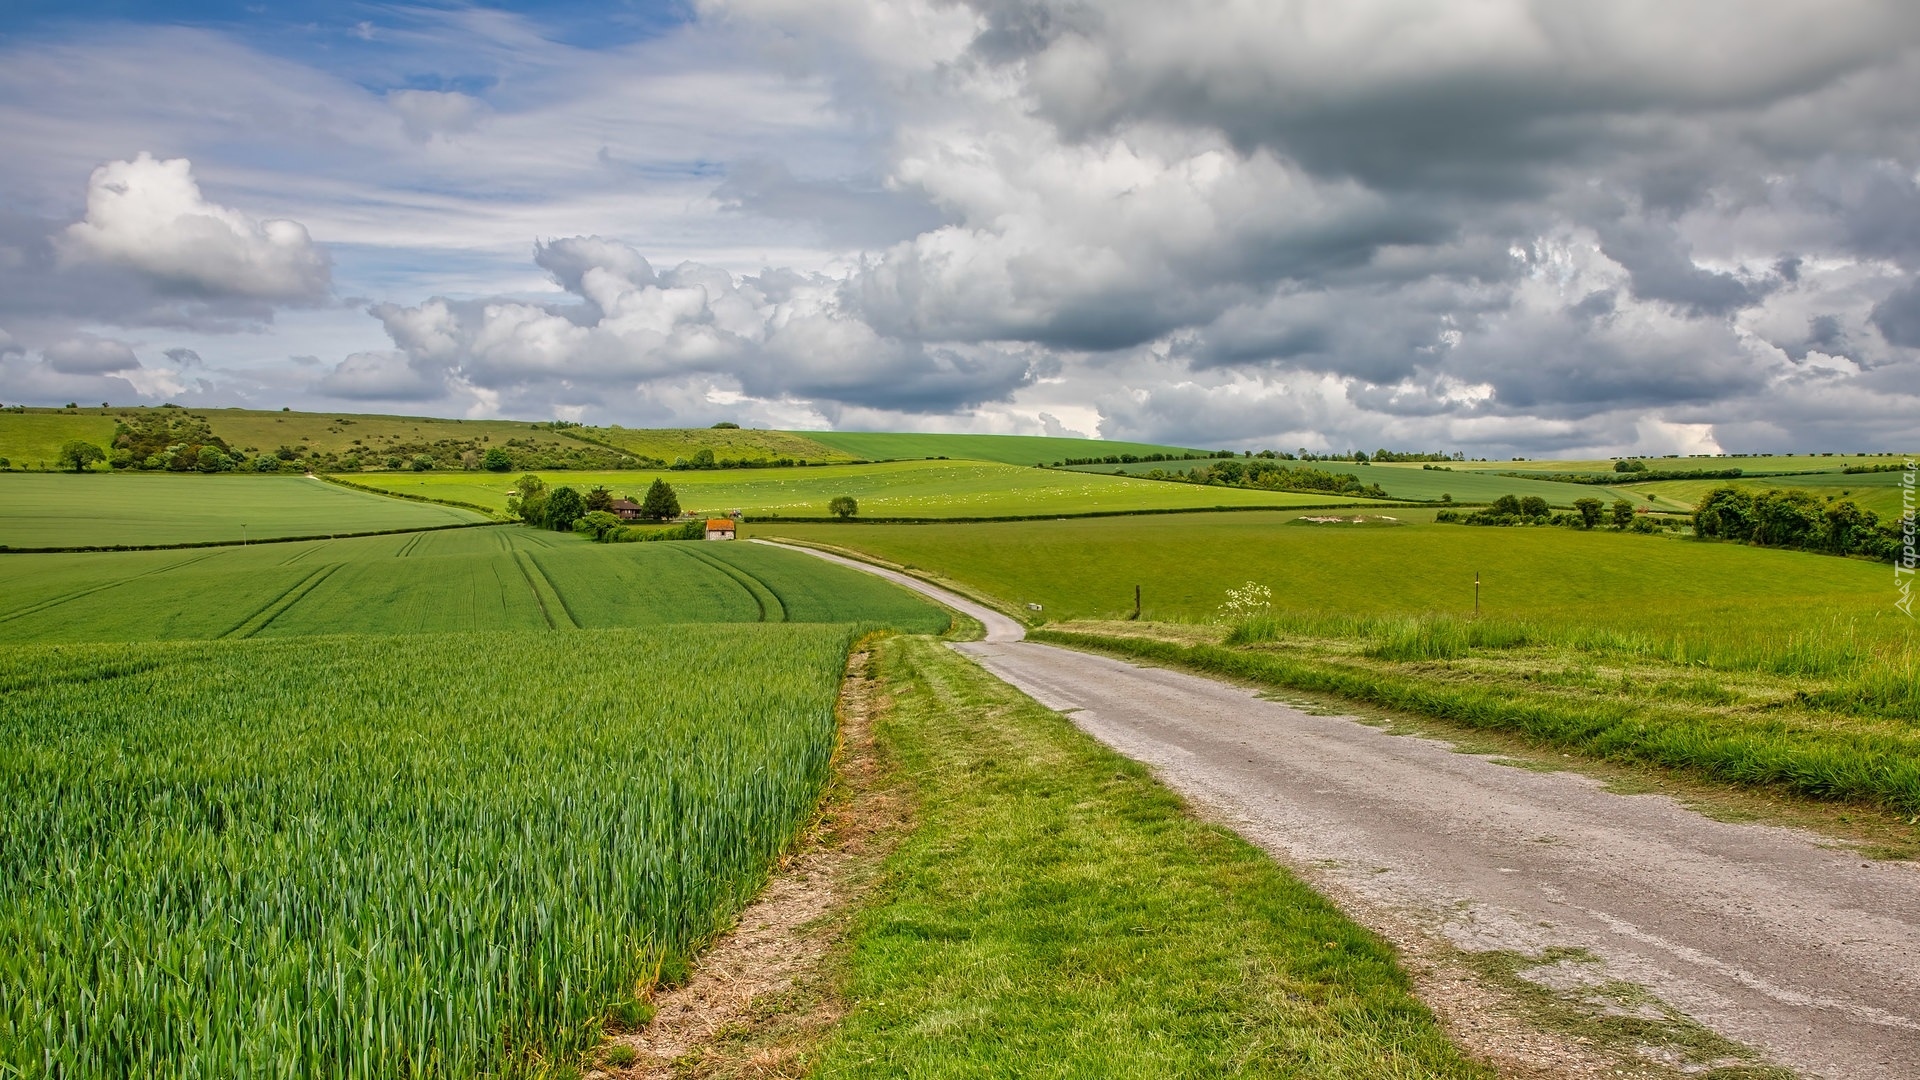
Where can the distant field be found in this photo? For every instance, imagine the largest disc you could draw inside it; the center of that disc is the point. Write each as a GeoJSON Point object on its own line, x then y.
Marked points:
{"type": "Point", "coordinates": [934, 489]}
{"type": "Point", "coordinates": [1753, 463]}
{"type": "Point", "coordinates": [438, 856]}
{"type": "Point", "coordinates": [32, 440]}
{"type": "Point", "coordinates": [56, 510]}
{"type": "Point", "coordinates": [740, 444]}
{"type": "Point", "coordinates": [1087, 568]}
{"type": "Point", "coordinates": [1878, 492]}
{"type": "Point", "coordinates": [506, 578]}
{"type": "Point", "coordinates": [1006, 449]}
{"type": "Point", "coordinates": [1411, 482]}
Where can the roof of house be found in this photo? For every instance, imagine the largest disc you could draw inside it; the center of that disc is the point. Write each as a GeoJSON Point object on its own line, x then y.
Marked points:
{"type": "Point", "coordinates": [625, 504]}
{"type": "Point", "coordinates": [720, 523]}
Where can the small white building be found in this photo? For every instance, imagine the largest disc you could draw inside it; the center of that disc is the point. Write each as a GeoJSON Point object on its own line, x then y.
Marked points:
{"type": "Point", "coordinates": [719, 528]}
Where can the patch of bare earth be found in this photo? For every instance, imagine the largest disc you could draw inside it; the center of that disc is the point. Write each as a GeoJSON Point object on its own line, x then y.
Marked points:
{"type": "Point", "coordinates": [760, 996]}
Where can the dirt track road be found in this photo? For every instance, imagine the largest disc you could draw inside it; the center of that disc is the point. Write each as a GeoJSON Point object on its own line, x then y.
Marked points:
{"type": "Point", "coordinates": [1766, 935]}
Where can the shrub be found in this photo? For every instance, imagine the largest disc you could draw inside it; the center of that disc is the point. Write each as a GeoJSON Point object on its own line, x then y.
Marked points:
{"type": "Point", "coordinates": [422, 462]}
{"type": "Point", "coordinates": [496, 460]}
{"type": "Point", "coordinates": [1590, 511]}
{"type": "Point", "coordinates": [1622, 513]}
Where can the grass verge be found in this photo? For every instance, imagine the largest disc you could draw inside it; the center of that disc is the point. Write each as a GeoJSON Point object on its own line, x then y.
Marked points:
{"type": "Point", "coordinates": [1759, 744]}
{"type": "Point", "coordinates": [1055, 912]}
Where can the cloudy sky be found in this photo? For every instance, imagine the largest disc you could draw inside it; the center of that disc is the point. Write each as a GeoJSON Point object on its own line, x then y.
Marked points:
{"type": "Point", "coordinates": [1538, 227]}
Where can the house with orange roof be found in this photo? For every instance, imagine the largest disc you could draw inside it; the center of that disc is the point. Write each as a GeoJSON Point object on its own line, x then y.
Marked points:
{"type": "Point", "coordinates": [719, 528]}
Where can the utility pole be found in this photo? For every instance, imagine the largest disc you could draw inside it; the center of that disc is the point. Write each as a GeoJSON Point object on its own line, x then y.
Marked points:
{"type": "Point", "coordinates": [243, 536]}
{"type": "Point", "coordinates": [1136, 603]}
{"type": "Point", "coordinates": [1476, 594]}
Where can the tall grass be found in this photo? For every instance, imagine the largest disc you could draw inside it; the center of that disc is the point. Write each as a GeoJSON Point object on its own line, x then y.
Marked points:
{"type": "Point", "coordinates": [1836, 649]}
{"type": "Point", "coordinates": [437, 856]}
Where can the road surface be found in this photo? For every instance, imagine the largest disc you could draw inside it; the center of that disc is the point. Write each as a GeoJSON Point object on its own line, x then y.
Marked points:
{"type": "Point", "coordinates": [1770, 936]}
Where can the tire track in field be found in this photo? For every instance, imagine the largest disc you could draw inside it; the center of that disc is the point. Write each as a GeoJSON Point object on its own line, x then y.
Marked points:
{"type": "Point", "coordinates": [278, 606]}
{"type": "Point", "coordinates": [56, 601]}
{"type": "Point", "coordinates": [770, 605]}
{"type": "Point", "coordinates": [536, 578]}
{"type": "Point", "coordinates": [572, 616]}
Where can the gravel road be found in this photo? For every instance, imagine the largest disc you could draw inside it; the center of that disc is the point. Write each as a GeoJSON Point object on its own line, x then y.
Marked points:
{"type": "Point", "coordinates": [1770, 936]}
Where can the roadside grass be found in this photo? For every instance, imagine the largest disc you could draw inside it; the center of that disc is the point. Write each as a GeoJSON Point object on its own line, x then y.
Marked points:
{"type": "Point", "coordinates": [1025, 450]}
{"type": "Point", "coordinates": [62, 510]}
{"type": "Point", "coordinates": [1747, 723]}
{"type": "Point", "coordinates": [911, 489]}
{"type": "Point", "coordinates": [1672, 588]}
{"type": "Point", "coordinates": [505, 578]}
{"type": "Point", "coordinates": [1057, 913]}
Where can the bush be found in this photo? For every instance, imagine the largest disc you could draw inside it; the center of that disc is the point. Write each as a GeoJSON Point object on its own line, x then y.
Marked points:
{"type": "Point", "coordinates": [1622, 513]}
{"type": "Point", "coordinates": [422, 462]}
{"type": "Point", "coordinates": [1590, 511]}
{"type": "Point", "coordinates": [496, 460]}
{"type": "Point", "coordinates": [598, 524]}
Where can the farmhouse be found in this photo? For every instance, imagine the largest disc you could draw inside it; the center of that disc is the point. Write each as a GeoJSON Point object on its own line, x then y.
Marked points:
{"type": "Point", "coordinates": [719, 528]}
{"type": "Point", "coordinates": [625, 509]}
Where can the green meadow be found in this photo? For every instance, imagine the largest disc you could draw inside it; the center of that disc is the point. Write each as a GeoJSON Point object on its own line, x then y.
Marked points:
{"type": "Point", "coordinates": [1408, 481]}
{"type": "Point", "coordinates": [503, 577]}
{"type": "Point", "coordinates": [55, 510]}
{"type": "Point", "coordinates": [31, 439]}
{"type": "Point", "coordinates": [1006, 449]}
{"type": "Point", "coordinates": [1879, 492]}
{"type": "Point", "coordinates": [911, 489]}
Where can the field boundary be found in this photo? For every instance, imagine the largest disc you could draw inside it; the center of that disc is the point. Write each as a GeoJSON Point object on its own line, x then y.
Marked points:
{"type": "Point", "coordinates": [191, 544]}
{"type": "Point", "coordinates": [409, 496]}
{"type": "Point", "coordinates": [915, 573]}
{"type": "Point", "coordinates": [861, 520]}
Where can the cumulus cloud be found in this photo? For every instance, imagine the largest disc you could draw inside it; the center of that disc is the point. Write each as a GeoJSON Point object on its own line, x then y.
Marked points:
{"type": "Point", "coordinates": [85, 354]}
{"type": "Point", "coordinates": [628, 325]}
{"type": "Point", "coordinates": [148, 215]}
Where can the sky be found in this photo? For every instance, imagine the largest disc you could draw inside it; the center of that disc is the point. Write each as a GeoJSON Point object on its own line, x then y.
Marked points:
{"type": "Point", "coordinates": [1503, 227]}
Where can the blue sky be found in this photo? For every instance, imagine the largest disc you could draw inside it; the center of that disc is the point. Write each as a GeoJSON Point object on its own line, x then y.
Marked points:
{"type": "Point", "coordinates": [1325, 223]}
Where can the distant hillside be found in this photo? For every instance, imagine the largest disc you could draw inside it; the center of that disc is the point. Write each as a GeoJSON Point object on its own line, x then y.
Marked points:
{"type": "Point", "coordinates": [1006, 449]}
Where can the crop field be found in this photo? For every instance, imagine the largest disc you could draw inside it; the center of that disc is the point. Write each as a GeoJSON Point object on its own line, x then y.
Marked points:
{"type": "Point", "coordinates": [508, 578]}
{"type": "Point", "coordinates": [1087, 568]}
{"type": "Point", "coordinates": [1006, 449]}
{"type": "Point", "coordinates": [32, 439]}
{"type": "Point", "coordinates": [740, 444]}
{"type": "Point", "coordinates": [914, 489]}
{"type": "Point", "coordinates": [1410, 482]}
{"type": "Point", "coordinates": [447, 856]}
{"type": "Point", "coordinates": [52, 510]}
{"type": "Point", "coordinates": [1747, 463]}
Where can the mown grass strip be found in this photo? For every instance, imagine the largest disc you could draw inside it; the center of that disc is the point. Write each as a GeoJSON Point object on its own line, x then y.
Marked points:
{"type": "Point", "coordinates": [1827, 763]}
{"type": "Point", "coordinates": [1055, 912]}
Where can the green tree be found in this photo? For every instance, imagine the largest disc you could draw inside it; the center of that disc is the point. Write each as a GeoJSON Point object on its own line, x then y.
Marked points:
{"type": "Point", "coordinates": [1627, 465]}
{"type": "Point", "coordinates": [564, 507]}
{"type": "Point", "coordinates": [80, 455]}
{"type": "Point", "coordinates": [1590, 510]}
{"type": "Point", "coordinates": [210, 459]}
{"type": "Point", "coordinates": [702, 459]}
{"type": "Point", "coordinates": [1533, 506]}
{"type": "Point", "coordinates": [529, 500]}
{"type": "Point", "coordinates": [422, 462]}
{"type": "Point", "coordinates": [1725, 513]}
{"type": "Point", "coordinates": [660, 503]}
{"type": "Point", "coordinates": [496, 460]}
{"type": "Point", "coordinates": [1622, 513]}
{"type": "Point", "coordinates": [726, 425]}
{"type": "Point", "coordinates": [843, 507]}
{"type": "Point", "coordinates": [599, 499]}
{"type": "Point", "coordinates": [1506, 506]}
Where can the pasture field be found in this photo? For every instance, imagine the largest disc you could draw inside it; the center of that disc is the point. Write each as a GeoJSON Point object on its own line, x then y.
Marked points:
{"type": "Point", "coordinates": [1087, 568]}
{"type": "Point", "coordinates": [369, 435]}
{"type": "Point", "coordinates": [1878, 492]}
{"type": "Point", "coordinates": [54, 510]}
{"type": "Point", "coordinates": [506, 578]}
{"type": "Point", "coordinates": [1748, 463]}
{"type": "Point", "coordinates": [1408, 481]}
{"type": "Point", "coordinates": [740, 444]}
{"type": "Point", "coordinates": [1005, 449]}
{"type": "Point", "coordinates": [449, 856]}
{"type": "Point", "coordinates": [912, 489]}
{"type": "Point", "coordinates": [31, 439]}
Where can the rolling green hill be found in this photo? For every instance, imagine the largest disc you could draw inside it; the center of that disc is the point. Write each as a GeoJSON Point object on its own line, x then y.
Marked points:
{"type": "Point", "coordinates": [1006, 449]}
{"type": "Point", "coordinates": [31, 439]}
{"type": "Point", "coordinates": [1403, 480]}
{"type": "Point", "coordinates": [913, 489]}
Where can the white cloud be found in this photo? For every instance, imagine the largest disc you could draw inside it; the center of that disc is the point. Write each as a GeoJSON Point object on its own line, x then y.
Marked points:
{"type": "Point", "coordinates": [430, 113]}
{"type": "Point", "coordinates": [148, 215]}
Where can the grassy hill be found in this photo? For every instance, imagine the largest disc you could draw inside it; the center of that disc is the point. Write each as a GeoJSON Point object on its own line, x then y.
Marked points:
{"type": "Point", "coordinates": [1408, 481]}
{"type": "Point", "coordinates": [31, 438]}
{"type": "Point", "coordinates": [920, 489]}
